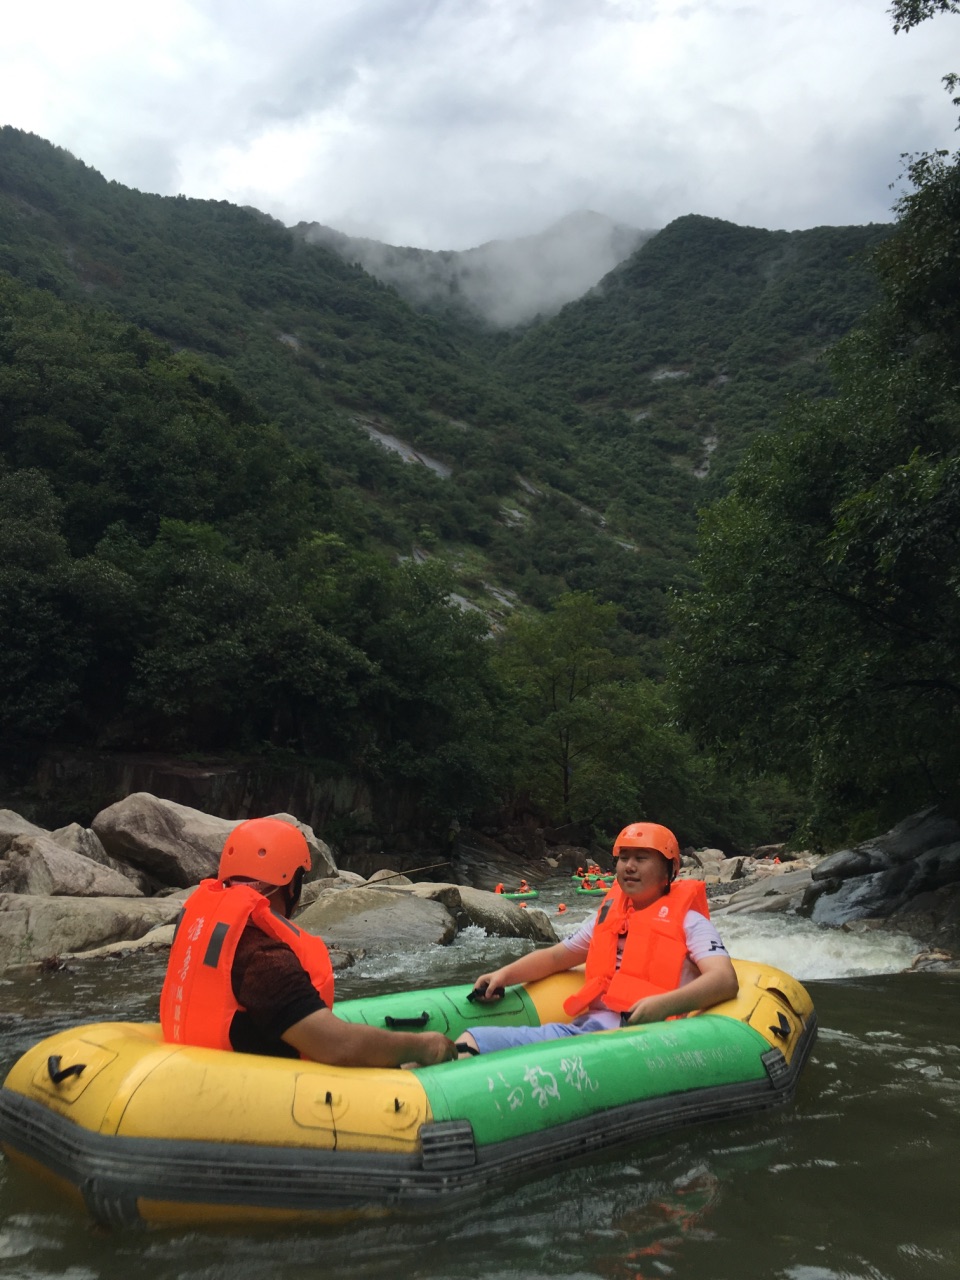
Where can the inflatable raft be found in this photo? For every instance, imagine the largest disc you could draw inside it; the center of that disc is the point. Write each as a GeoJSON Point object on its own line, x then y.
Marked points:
{"type": "Point", "coordinates": [144, 1131]}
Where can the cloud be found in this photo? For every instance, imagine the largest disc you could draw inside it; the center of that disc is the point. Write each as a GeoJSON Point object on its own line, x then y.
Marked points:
{"type": "Point", "coordinates": [444, 123]}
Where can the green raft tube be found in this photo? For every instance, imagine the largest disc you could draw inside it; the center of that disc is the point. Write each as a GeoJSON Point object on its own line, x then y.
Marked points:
{"type": "Point", "coordinates": [141, 1131]}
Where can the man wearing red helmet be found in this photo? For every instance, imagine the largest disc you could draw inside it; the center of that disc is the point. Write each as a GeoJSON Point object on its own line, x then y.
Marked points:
{"type": "Point", "coordinates": [241, 976]}
{"type": "Point", "coordinates": [651, 952]}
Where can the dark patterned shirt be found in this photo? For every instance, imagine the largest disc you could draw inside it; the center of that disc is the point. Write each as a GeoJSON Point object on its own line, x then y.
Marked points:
{"type": "Point", "coordinates": [275, 993]}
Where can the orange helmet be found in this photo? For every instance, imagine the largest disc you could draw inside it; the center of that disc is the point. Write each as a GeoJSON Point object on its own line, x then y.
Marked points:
{"type": "Point", "coordinates": [266, 849]}
{"type": "Point", "coordinates": [649, 835]}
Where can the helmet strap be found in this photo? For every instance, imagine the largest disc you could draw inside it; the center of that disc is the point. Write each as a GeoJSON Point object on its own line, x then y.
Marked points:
{"type": "Point", "coordinates": [292, 891]}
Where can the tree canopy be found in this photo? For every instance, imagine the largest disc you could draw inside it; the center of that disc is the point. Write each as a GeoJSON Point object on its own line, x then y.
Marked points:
{"type": "Point", "coordinates": [826, 639]}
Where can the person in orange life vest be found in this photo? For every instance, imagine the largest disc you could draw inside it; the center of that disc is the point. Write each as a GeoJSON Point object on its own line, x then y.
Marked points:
{"type": "Point", "coordinates": [241, 976]}
{"type": "Point", "coordinates": [651, 952]}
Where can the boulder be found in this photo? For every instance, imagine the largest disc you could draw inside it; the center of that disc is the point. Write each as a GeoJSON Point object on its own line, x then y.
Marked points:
{"type": "Point", "coordinates": [448, 895]}
{"type": "Point", "coordinates": [35, 864]}
{"type": "Point", "coordinates": [86, 842]}
{"type": "Point", "coordinates": [12, 825]}
{"type": "Point", "coordinates": [709, 859]}
{"type": "Point", "coordinates": [176, 844]}
{"type": "Point", "coordinates": [732, 869]}
{"type": "Point", "coordinates": [783, 892]}
{"type": "Point", "coordinates": [933, 917]}
{"type": "Point", "coordinates": [377, 919]}
{"type": "Point", "coordinates": [39, 928]}
{"type": "Point", "coordinates": [883, 894]}
{"type": "Point", "coordinates": [928, 829]}
{"type": "Point", "coordinates": [504, 919]}
{"type": "Point", "coordinates": [395, 878]}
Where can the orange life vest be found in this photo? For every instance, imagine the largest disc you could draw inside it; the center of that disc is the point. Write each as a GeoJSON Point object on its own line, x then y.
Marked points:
{"type": "Point", "coordinates": [197, 1003]}
{"type": "Point", "coordinates": [653, 953]}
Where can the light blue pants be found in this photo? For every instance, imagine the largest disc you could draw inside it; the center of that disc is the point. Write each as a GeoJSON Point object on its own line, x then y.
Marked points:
{"type": "Point", "coordinates": [490, 1039]}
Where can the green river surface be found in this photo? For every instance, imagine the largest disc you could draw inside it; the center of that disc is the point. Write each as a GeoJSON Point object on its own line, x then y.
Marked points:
{"type": "Point", "coordinates": [856, 1180]}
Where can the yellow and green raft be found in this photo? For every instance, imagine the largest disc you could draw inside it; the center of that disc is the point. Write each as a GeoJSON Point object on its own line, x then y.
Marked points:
{"type": "Point", "coordinates": [144, 1131]}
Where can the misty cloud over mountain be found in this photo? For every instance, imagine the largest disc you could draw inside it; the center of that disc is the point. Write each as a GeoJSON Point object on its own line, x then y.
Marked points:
{"type": "Point", "coordinates": [504, 283]}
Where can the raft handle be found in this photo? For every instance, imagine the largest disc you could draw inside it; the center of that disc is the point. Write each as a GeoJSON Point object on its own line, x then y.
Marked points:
{"type": "Point", "coordinates": [782, 1029]}
{"type": "Point", "coordinates": [58, 1076]}
{"type": "Point", "coordinates": [394, 1023]}
{"type": "Point", "coordinates": [480, 993]}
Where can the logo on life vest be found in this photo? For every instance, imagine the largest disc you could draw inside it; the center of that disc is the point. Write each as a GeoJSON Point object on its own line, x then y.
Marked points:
{"type": "Point", "coordinates": [663, 912]}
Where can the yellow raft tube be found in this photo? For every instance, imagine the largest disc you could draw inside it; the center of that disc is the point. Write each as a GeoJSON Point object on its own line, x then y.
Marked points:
{"type": "Point", "coordinates": [139, 1130]}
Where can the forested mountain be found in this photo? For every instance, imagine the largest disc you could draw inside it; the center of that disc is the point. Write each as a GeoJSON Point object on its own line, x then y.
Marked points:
{"type": "Point", "coordinates": [503, 283]}
{"type": "Point", "coordinates": [702, 335]}
{"type": "Point", "coordinates": [205, 502]}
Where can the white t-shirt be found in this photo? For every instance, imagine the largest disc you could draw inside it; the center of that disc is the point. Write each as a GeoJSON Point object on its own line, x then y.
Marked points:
{"type": "Point", "coordinates": [701, 937]}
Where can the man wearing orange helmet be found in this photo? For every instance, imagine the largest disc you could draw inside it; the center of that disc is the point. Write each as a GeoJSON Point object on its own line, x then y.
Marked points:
{"type": "Point", "coordinates": [651, 952]}
{"type": "Point", "coordinates": [241, 976]}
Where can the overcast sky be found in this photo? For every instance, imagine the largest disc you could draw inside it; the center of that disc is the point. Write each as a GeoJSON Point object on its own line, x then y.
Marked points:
{"type": "Point", "coordinates": [446, 123]}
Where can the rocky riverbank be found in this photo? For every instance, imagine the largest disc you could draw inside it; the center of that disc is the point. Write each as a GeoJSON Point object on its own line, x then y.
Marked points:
{"type": "Point", "coordinates": [116, 886]}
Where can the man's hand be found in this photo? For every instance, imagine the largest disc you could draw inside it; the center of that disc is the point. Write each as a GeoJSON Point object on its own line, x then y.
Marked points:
{"type": "Point", "coordinates": [433, 1047]}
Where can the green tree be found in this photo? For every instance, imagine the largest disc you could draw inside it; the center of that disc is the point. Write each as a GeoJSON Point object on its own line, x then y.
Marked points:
{"type": "Point", "coordinates": [554, 666]}
{"type": "Point", "coordinates": [826, 639]}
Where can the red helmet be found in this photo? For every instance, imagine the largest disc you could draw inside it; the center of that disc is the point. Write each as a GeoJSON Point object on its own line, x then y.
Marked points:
{"type": "Point", "coordinates": [649, 835]}
{"type": "Point", "coordinates": [266, 849]}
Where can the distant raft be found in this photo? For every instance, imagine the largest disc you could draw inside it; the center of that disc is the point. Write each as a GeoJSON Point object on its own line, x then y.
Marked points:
{"type": "Point", "coordinates": [139, 1130]}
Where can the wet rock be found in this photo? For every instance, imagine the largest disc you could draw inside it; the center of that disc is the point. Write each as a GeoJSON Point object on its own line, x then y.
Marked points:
{"type": "Point", "coordinates": [933, 918]}
{"type": "Point", "coordinates": [884, 893]}
{"type": "Point", "coordinates": [504, 919]}
{"type": "Point", "coordinates": [934, 959]}
{"type": "Point", "coordinates": [377, 919]}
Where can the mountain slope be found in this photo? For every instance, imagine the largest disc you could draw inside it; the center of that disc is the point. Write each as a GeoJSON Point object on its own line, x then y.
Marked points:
{"type": "Point", "coordinates": [568, 456]}
{"type": "Point", "coordinates": [503, 283]}
{"type": "Point", "coordinates": [700, 336]}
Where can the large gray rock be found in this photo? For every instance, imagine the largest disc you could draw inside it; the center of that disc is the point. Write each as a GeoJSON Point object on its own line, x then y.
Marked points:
{"type": "Point", "coordinates": [377, 919]}
{"type": "Point", "coordinates": [38, 928]}
{"type": "Point", "coordinates": [502, 918]}
{"type": "Point", "coordinates": [783, 892]}
{"type": "Point", "coordinates": [176, 844]}
{"type": "Point", "coordinates": [86, 842]}
{"type": "Point", "coordinates": [884, 893]}
{"type": "Point", "coordinates": [12, 825]}
{"type": "Point", "coordinates": [35, 864]}
{"type": "Point", "coordinates": [910, 876]}
{"type": "Point", "coordinates": [929, 829]}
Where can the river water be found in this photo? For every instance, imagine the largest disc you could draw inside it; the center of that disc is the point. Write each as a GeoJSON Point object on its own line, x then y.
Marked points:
{"type": "Point", "coordinates": [857, 1180]}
